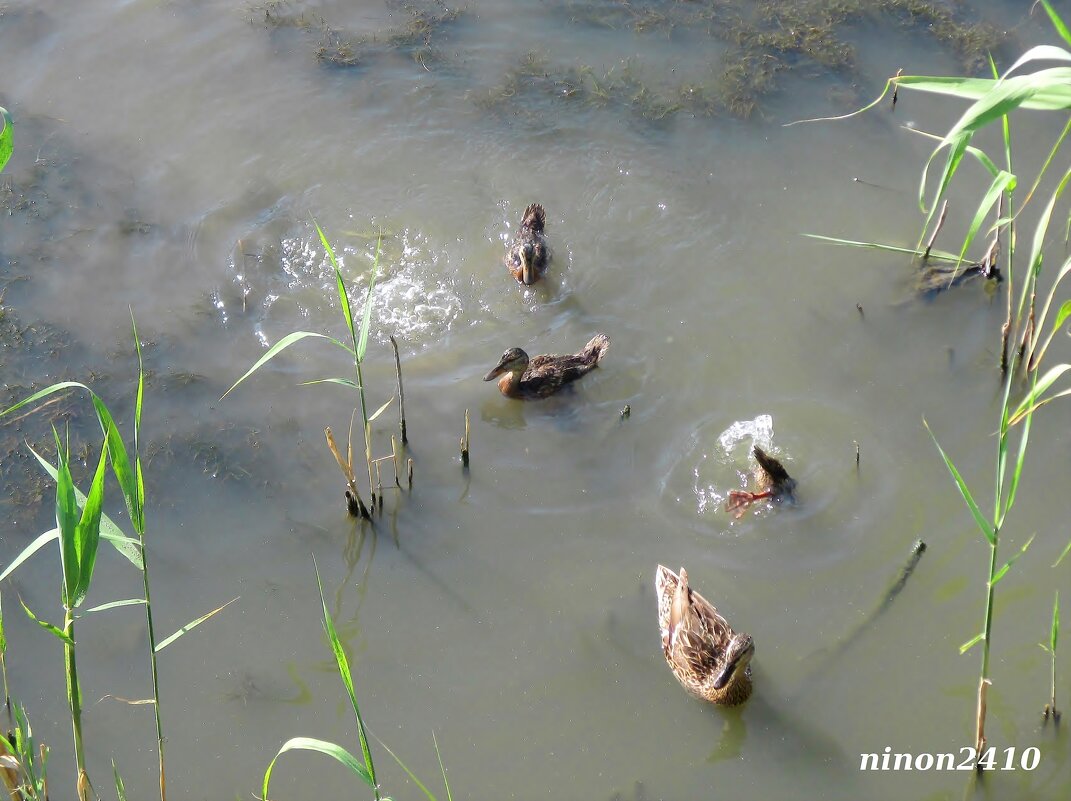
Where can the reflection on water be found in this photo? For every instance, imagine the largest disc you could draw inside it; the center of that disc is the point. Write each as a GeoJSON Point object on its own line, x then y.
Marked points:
{"type": "Point", "coordinates": [509, 606]}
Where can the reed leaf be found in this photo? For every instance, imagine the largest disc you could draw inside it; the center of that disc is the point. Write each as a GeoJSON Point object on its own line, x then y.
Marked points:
{"type": "Point", "coordinates": [1029, 403]}
{"type": "Point", "coordinates": [442, 767]}
{"type": "Point", "coordinates": [1057, 23]}
{"type": "Point", "coordinates": [1054, 632]}
{"type": "Point", "coordinates": [973, 641]}
{"type": "Point", "coordinates": [1065, 552]}
{"type": "Point", "coordinates": [40, 542]}
{"type": "Point", "coordinates": [332, 750]}
{"type": "Point", "coordinates": [109, 531]}
{"type": "Point", "coordinates": [347, 680]}
{"type": "Point", "coordinates": [278, 348]}
{"type": "Point", "coordinates": [412, 776]}
{"type": "Point", "coordinates": [87, 532]}
{"type": "Point", "coordinates": [46, 625]}
{"type": "Point", "coordinates": [7, 138]}
{"type": "Point", "coordinates": [191, 625]}
{"type": "Point", "coordinates": [67, 521]}
{"type": "Point", "coordinates": [381, 409]}
{"type": "Point", "coordinates": [1007, 565]}
{"type": "Point", "coordinates": [345, 382]}
{"type": "Point", "coordinates": [115, 604]}
{"type": "Point", "coordinates": [366, 319]}
{"type": "Point", "coordinates": [939, 255]}
{"type": "Point", "coordinates": [1003, 181]}
{"type": "Point", "coordinates": [984, 525]}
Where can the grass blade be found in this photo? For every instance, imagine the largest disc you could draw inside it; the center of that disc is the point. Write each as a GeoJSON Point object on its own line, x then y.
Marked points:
{"type": "Point", "coordinates": [114, 604]}
{"type": "Point", "coordinates": [380, 410]}
{"type": "Point", "coordinates": [191, 625]}
{"type": "Point", "coordinates": [937, 255]}
{"type": "Point", "coordinates": [110, 532]}
{"type": "Point", "coordinates": [427, 793]}
{"type": "Point", "coordinates": [1066, 551]}
{"type": "Point", "coordinates": [1057, 23]}
{"type": "Point", "coordinates": [1054, 633]}
{"type": "Point", "coordinates": [46, 538]}
{"type": "Point", "coordinates": [366, 319]}
{"type": "Point", "coordinates": [345, 382]}
{"type": "Point", "coordinates": [347, 680]}
{"type": "Point", "coordinates": [1007, 565]}
{"type": "Point", "coordinates": [332, 750]}
{"type": "Point", "coordinates": [46, 625]}
{"type": "Point", "coordinates": [973, 641]}
{"type": "Point", "coordinates": [87, 533]}
{"type": "Point", "coordinates": [442, 767]}
{"type": "Point", "coordinates": [979, 518]}
{"type": "Point", "coordinates": [278, 348]}
{"type": "Point", "coordinates": [7, 138]}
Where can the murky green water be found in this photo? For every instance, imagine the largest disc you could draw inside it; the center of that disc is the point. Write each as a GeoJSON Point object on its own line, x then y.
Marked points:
{"type": "Point", "coordinates": [168, 159]}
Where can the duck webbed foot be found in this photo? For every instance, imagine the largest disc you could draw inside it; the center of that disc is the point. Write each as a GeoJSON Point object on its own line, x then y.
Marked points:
{"type": "Point", "coordinates": [739, 500]}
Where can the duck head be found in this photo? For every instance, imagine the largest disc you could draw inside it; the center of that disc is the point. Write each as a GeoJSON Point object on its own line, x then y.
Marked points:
{"type": "Point", "coordinates": [513, 360]}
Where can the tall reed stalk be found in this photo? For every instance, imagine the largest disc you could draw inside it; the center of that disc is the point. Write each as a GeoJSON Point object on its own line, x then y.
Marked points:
{"type": "Point", "coordinates": [993, 101]}
{"type": "Point", "coordinates": [132, 484]}
{"type": "Point", "coordinates": [357, 349]}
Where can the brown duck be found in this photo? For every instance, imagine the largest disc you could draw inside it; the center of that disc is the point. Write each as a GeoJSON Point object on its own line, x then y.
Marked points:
{"type": "Point", "coordinates": [709, 659]}
{"type": "Point", "coordinates": [773, 480]}
{"type": "Point", "coordinates": [527, 257]}
{"type": "Point", "coordinates": [541, 376]}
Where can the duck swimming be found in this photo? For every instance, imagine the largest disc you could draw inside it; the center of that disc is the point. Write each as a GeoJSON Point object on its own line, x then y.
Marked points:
{"type": "Point", "coordinates": [528, 256]}
{"type": "Point", "coordinates": [709, 659]}
{"type": "Point", "coordinates": [773, 480]}
{"type": "Point", "coordinates": [538, 377]}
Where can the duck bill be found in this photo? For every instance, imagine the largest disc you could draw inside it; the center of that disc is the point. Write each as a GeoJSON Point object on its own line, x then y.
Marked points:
{"type": "Point", "coordinates": [526, 268]}
{"type": "Point", "coordinates": [499, 369]}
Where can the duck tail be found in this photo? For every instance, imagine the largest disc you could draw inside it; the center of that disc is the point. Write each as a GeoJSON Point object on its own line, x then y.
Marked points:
{"type": "Point", "coordinates": [535, 218]}
{"type": "Point", "coordinates": [596, 348]}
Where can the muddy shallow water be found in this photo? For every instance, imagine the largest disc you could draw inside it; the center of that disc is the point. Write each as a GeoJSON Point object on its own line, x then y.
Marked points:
{"type": "Point", "coordinates": [169, 159]}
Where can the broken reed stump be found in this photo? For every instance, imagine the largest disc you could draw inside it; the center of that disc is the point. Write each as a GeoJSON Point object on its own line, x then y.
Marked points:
{"type": "Point", "coordinates": [401, 392]}
{"type": "Point", "coordinates": [465, 442]}
{"type": "Point", "coordinates": [354, 504]}
{"type": "Point", "coordinates": [409, 470]}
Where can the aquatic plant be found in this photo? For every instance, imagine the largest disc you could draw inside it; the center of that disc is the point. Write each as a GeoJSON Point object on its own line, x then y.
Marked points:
{"type": "Point", "coordinates": [79, 534]}
{"type": "Point", "coordinates": [357, 350]}
{"type": "Point", "coordinates": [993, 100]}
{"type": "Point", "coordinates": [23, 761]}
{"type": "Point", "coordinates": [365, 770]}
{"type": "Point", "coordinates": [7, 137]}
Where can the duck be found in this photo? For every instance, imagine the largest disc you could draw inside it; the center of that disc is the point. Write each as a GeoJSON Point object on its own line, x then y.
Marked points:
{"type": "Point", "coordinates": [538, 377]}
{"type": "Point", "coordinates": [773, 480]}
{"type": "Point", "coordinates": [528, 256]}
{"type": "Point", "coordinates": [710, 660]}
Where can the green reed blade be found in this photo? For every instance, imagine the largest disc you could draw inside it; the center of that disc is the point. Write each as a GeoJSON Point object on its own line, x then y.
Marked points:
{"type": "Point", "coordinates": [46, 625]}
{"type": "Point", "coordinates": [340, 285]}
{"type": "Point", "coordinates": [280, 346]}
{"type": "Point", "coordinates": [120, 788]}
{"type": "Point", "coordinates": [87, 532]}
{"type": "Point", "coordinates": [366, 319]}
{"type": "Point", "coordinates": [1057, 22]}
{"type": "Point", "coordinates": [984, 525]}
{"type": "Point", "coordinates": [41, 541]}
{"type": "Point", "coordinates": [191, 625]}
{"type": "Point", "coordinates": [1054, 633]}
{"type": "Point", "coordinates": [337, 752]}
{"type": "Point", "coordinates": [403, 766]}
{"type": "Point", "coordinates": [937, 255]}
{"type": "Point", "coordinates": [7, 138]}
{"type": "Point", "coordinates": [442, 767]}
{"type": "Point", "coordinates": [345, 382]}
{"type": "Point", "coordinates": [1065, 552]}
{"type": "Point", "coordinates": [381, 409]}
{"type": "Point", "coordinates": [109, 531]}
{"type": "Point", "coordinates": [973, 641]}
{"type": "Point", "coordinates": [1003, 181]}
{"type": "Point", "coordinates": [347, 680]}
{"type": "Point", "coordinates": [1039, 388]}
{"type": "Point", "coordinates": [114, 604]}
{"type": "Point", "coordinates": [1007, 565]}
{"type": "Point", "coordinates": [67, 522]}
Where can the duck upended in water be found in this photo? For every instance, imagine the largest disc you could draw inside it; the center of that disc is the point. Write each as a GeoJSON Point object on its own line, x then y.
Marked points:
{"type": "Point", "coordinates": [773, 480]}
{"type": "Point", "coordinates": [709, 659]}
{"type": "Point", "coordinates": [541, 376]}
{"type": "Point", "coordinates": [528, 255]}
